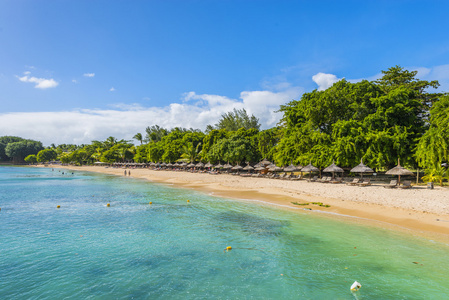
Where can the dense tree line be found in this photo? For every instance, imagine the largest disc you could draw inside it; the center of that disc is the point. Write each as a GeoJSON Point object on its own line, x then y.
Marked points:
{"type": "Point", "coordinates": [15, 149]}
{"type": "Point", "coordinates": [381, 121]}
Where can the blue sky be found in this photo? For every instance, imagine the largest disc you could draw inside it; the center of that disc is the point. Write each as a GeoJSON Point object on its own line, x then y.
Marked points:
{"type": "Point", "coordinates": [74, 71]}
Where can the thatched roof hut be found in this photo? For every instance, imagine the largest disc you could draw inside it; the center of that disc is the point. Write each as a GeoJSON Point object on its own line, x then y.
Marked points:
{"type": "Point", "coordinates": [361, 168]}
{"type": "Point", "coordinates": [399, 171]}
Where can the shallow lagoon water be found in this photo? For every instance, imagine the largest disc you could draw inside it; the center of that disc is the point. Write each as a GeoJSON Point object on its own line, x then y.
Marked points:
{"type": "Point", "coordinates": [173, 249]}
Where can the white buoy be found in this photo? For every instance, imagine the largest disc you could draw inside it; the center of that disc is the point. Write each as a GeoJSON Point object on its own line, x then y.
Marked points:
{"type": "Point", "coordinates": [356, 286]}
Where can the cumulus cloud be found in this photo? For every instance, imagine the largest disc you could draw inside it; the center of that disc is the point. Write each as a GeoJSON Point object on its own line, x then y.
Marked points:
{"type": "Point", "coordinates": [89, 74]}
{"type": "Point", "coordinates": [112, 89]}
{"type": "Point", "coordinates": [124, 121]}
{"type": "Point", "coordinates": [324, 80]}
{"type": "Point", "coordinates": [40, 83]}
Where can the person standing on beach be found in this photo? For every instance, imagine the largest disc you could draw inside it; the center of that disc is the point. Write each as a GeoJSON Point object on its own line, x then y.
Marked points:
{"type": "Point", "coordinates": [129, 173]}
{"type": "Point", "coordinates": [125, 172]}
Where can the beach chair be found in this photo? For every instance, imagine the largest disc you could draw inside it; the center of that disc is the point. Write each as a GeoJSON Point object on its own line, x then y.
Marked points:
{"type": "Point", "coordinates": [298, 177]}
{"type": "Point", "coordinates": [407, 184]}
{"type": "Point", "coordinates": [287, 177]}
{"type": "Point", "coordinates": [365, 182]}
{"type": "Point", "coordinates": [337, 180]}
{"type": "Point", "coordinates": [354, 181]}
{"type": "Point", "coordinates": [326, 179]}
{"type": "Point", "coordinates": [392, 184]}
{"type": "Point", "coordinates": [315, 178]}
{"type": "Point", "coordinates": [281, 176]}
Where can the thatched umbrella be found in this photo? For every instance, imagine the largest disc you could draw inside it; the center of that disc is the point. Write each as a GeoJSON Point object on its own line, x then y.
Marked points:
{"type": "Point", "coordinates": [310, 168]}
{"type": "Point", "coordinates": [191, 165]}
{"type": "Point", "coordinates": [275, 168]}
{"type": "Point", "coordinates": [333, 169]}
{"type": "Point", "coordinates": [399, 170]}
{"type": "Point", "coordinates": [227, 166]}
{"type": "Point", "coordinates": [248, 167]}
{"type": "Point", "coordinates": [183, 165]}
{"type": "Point", "coordinates": [237, 168]}
{"type": "Point", "coordinates": [208, 165]}
{"type": "Point", "coordinates": [259, 169]}
{"type": "Point", "coordinates": [219, 166]}
{"type": "Point", "coordinates": [291, 168]}
{"type": "Point", "coordinates": [199, 165]}
{"type": "Point", "coordinates": [361, 168]}
{"type": "Point", "coordinates": [265, 162]}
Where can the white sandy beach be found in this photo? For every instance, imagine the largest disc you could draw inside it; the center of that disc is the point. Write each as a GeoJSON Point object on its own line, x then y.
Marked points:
{"type": "Point", "coordinates": [418, 209]}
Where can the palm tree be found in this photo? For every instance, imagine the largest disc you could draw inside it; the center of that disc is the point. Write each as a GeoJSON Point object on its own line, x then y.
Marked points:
{"type": "Point", "coordinates": [438, 174]}
{"type": "Point", "coordinates": [138, 137]}
{"type": "Point", "coordinates": [190, 152]}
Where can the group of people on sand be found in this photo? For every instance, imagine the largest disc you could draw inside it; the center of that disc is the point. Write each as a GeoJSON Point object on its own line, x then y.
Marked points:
{"type": "Point", "coordinates": [129, 173]}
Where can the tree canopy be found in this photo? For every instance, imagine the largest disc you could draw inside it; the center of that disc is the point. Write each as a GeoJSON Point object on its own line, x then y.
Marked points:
{"type": "Point", "coordinates": [378, 121]}
{"type": "Point", "coordinates": [236, 119]}
{"type": "Point", "coordinates": [381, 121]}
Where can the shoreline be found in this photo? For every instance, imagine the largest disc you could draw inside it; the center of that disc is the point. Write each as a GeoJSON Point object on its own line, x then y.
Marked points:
{"type": "Point", "coordinates": [416, 211]}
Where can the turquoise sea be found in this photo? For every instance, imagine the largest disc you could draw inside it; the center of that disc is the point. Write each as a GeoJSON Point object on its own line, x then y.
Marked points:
{"type": "Point", "coordinates": [173, 249]}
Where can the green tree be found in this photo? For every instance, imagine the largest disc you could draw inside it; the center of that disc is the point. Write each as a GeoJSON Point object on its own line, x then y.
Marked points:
{"type": "Point", "coordinates": [436, 174]}
{"type": "Point", "coordinates": [46, 155]}
{"type": "Point", "coordinates": [141, 155]}
{"type": "Point", "coordinates": [138, 137]}
{"type": "Point", "coordinates": [17, 151]}
{"type": "Point", "coordinates": [65, 158]}
{"type": "Point", "coordinates": [4, 141]}
{"type": "Point", "coordinates": [209, 140]}
{"type": "Point", "coordinates": [378, 121]}
{"type": "Point", "coordinates": [189, 152]}
{"type": "Point", "coordinates": [31, 159]}
{"type": "Point", "coordinates": [433, 147]}
{"type": "Point", "coordinates": [155, 133]}
{"type": "Point", "coordinates": [236, 119]}
{"type": "Point", "coordinates": [155, 152]}
{"type": "Point", "coordinates": [267, 141]}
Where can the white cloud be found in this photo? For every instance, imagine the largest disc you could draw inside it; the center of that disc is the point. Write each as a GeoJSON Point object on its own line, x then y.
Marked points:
{"type": "Point", "coordinates": [41, 83]}
{"type": "Point", "coordinates": [89, 74]}
{"type": "Point", "coordinates": [196, 111]}
{"type": "Point", "coordinates": [440, 73]}
{"type": "Point", "coordinates": [74, 81]}
{"type": "Point", "coordinates": [112, 89]}
{"type": "Point", "coordinates": [324, 80]}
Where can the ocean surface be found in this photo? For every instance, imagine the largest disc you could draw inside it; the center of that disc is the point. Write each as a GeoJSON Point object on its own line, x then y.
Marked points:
{"type": "Point", "coordinates": [174, 249]}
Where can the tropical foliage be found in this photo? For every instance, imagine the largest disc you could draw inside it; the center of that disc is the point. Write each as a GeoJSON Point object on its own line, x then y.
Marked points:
{"type": "Point", "coordinates": [381, 121]}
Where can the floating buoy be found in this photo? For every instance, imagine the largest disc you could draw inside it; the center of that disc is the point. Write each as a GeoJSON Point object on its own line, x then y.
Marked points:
{"type": "Point", "coordinates": [108, 205]}
{"type": "Point", "coordinates": [188, 200]}
{"type": "Point", "coordinates": [356, 286]}
{"type": "Point", "coordinates": [151, 202]}
{"type": "Point", "coordinates": [59, 206]}
{"type": "Point", "coordinates": [228, 248]}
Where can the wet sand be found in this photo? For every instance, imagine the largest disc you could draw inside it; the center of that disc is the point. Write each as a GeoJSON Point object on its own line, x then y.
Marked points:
{"type": "Point", "coordinates": [418, 211]}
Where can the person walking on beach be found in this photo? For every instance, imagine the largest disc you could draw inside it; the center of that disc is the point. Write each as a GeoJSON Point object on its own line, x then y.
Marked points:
{"type": "Point", "coordinates": [129, 173]}
{"type": "Point", "coordinates": [125, 172]}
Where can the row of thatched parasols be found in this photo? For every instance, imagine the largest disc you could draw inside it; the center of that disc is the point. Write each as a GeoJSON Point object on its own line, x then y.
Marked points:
{"type": "Point", "coordinates": [269, 166]}
{"type": "Point", "coordinates": [361, 168]}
